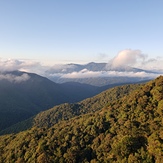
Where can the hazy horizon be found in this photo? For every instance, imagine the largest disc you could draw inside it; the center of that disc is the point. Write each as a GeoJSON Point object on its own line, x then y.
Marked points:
{"type": "Point", "coordinates": [38, 36]}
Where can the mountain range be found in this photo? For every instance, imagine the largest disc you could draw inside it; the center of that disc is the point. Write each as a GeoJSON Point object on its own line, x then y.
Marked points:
{"type": "Point", "coordinates": [121, 124]}
{"type": "Point", "coordinates": [92, 66]}
{"type": "Point", "coordinates": [23, 95]}
{"type": "Point", "coordinates": [98, 74]}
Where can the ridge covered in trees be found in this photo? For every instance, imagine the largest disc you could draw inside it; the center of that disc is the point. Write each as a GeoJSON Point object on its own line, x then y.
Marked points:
{"type": "Point", "coordinates": [124, 128]}
{"type": "Point", "coordinates": [69, 110]}
{"type": "Point", "coordinates": [20, 100]}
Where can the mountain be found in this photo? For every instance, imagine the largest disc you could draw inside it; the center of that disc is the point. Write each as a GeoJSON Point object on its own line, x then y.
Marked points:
{"type": "Point", "coordinates": [98, 74]}
{"type": "Point", "coordinates": [101, 81]}
{"type": "Point", "coordinates": [68, 110]}
{"type": "Point", "coordinates": [23, 95]}
{"type": "Point", "coordinates": [69, 68]}
{"type": "Point", "coordinates": [127, 127]}
{"type": "Point", "coordinates": [92, 66]}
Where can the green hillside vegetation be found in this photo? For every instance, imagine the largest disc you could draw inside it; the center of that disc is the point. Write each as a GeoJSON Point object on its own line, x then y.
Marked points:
{"type": "Point", "coordinates": [127, 129]}
{"type": "Point", "coordinates": [66, 111]}
{"type": "Point", "coordinates": [22, 100]}
{"type": "Point", "coordinates": [90, 105]}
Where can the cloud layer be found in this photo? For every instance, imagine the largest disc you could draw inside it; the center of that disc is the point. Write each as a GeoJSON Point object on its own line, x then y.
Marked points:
{"type": "Point", "coordinates": [14, 78]}
{"type": "Point", "coordinates": [117, 66]}
{"type": "Point", "coordinates": [14, 64]}
{"type": "Point", "coordinates": [92, 74]}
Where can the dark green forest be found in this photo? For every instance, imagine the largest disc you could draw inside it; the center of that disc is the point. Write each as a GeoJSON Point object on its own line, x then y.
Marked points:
{"type": "Point", "coordinates": [20, 101]}
{"type": "Point", "coordinates": [121, 125]}
{"type": "Point", "coordinates": [69, 110]}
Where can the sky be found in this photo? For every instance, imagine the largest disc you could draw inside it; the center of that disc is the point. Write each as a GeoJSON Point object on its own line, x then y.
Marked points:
{"type": "Point", "coordinates": [69, 31]}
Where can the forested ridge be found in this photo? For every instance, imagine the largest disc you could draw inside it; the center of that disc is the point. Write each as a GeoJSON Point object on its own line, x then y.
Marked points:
{"type": "Point", "coordinates": [69, 110]}
{"type": "Point", "coordinates": [22, 100]}
{"type": "Point", "coordinates": [127, 128]}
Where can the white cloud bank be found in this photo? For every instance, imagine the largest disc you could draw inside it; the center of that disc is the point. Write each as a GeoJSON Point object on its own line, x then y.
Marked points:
{"type": "Point", "coordinates": [14, 64]}
{"type": "Point", "coordinates": [116, 67]}
{"type": "Point", "coordinates": [21, 65]}
{"type": "Point", "coordinates": [125, 58]}
{"type": "Point", "coordinates": [14, 78]}
{"type": "Point", "coordinates": [93, 74]}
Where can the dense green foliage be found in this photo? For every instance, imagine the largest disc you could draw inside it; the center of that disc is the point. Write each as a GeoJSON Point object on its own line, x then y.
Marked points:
{"type": "Point", "coordinates": [21, 100]}
{"type": "Point", "coordinates": [67, 111]}
{"type": "Point", "coordinates": [128, 129]}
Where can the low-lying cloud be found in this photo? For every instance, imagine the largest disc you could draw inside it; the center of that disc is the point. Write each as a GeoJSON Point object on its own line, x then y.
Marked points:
{"type": "Point", "coordinates": [14, 78]}
{"type": "Point", "coordinates": [155, 64]}
{"type": "Point", "coordinates": [117, 66]}
{"type": "Point", "coordinates": [121, 65]}
{"type": "Point", "coordinates": [22, 65]}
{"type": "Point", "coordinates": [61, 68]}
{"type": "Point", "coordinates": [94, 74]}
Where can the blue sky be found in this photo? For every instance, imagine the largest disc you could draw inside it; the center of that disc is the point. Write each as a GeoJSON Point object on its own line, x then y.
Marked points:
{"type": "Point", "coordinates": [63, 31]}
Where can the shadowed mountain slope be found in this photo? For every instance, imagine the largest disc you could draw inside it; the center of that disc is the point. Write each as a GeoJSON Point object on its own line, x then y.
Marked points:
{"type": "Point", "coordinates": [23, 95]}
{"type": "Point", "coordinates": [68, 110]}
{"type": "Point", "coordinates": [126, 129]}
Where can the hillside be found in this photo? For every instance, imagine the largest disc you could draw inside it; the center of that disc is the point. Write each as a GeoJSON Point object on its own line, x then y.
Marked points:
{"type": "Point", "coordinates": [126, 129]}
{"type": "Point", "coordinates": [68, 110]}
{"type": "Point", "coordinates": [23, 95]}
